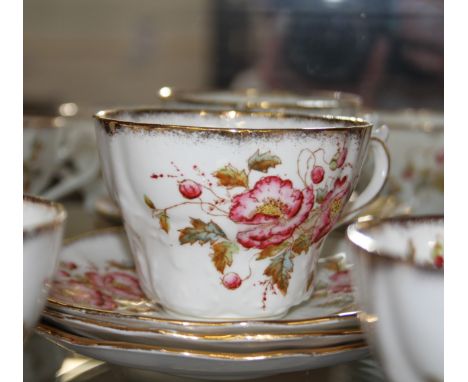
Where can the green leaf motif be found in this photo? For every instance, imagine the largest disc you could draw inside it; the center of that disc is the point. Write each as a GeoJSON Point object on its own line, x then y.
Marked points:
{"type": "Point", "coordinates": [301, 244]}
{"type": "Point", "coordinates": [222, 254]}
{"type": "Point", "coordinates": [280, 270]}
{"type": "Point", "coordinates": [230, 177]}
{"type": "Point", "coordinates": [201, 232]}
{"type": "Point", "coordinates": [149, 202]}
{"type": "Point", "coordinates": [164, 222]}
{"type": "Point", "coordinates": [262, 162]}
{"type": "Point", "coordinates": [271, 250]}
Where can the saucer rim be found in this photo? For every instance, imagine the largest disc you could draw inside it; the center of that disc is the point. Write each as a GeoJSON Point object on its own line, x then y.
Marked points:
{"type": "Point", "coordinates": [252, 336]}
{"type": "Point", "coordinates": [62, 336]}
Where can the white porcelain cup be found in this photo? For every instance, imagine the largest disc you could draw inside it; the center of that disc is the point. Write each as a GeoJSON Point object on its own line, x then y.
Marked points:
{"type": "Point", "coordinates": [319, 102]}
{"type": "Point", "coordinates": [48, 144]}
{"type": "Point", "coordinates": [399, 280]}
{"type": "Point", "coordinates": [416, 146]}
{"type": "Point", "coordinates": [43, 225]}
{"type": "Point", "coordinates": [226, 212]}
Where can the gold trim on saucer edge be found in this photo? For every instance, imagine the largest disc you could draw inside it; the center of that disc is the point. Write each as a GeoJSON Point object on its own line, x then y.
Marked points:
{"type": "Point", "coordinates": [59, 336]}
{"type": "Point", "coordinates": [343, 315]}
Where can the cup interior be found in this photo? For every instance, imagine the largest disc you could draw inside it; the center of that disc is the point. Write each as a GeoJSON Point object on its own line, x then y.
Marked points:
{"type": "Point", "coordinates": [411, 239]}
{"type": "Point", "coordinates": [39, 213]}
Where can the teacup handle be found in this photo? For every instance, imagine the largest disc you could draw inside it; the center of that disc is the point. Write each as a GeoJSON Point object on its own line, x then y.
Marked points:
{"type": "Point", "coordinates": [376, 184]}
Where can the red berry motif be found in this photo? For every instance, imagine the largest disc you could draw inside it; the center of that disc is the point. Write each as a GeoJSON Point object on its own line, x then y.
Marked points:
{"type": "Point", "coordinates": [317, 174]}
{"type": "Point", "coordinates": [342, 157]}
{"type": "Point", "coordinates": [189, 189]}
{"type": "Point", "coordinates": [231, 280]}
{"type": "Point", "coordinates": [439, 261]}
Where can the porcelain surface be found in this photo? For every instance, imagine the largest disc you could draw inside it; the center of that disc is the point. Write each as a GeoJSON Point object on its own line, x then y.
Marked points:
{"type": "Point", "coordinates": [399, 279]}
{"type": "Point", "coordinates": [204, 364]}
{"type": "Point", "coordinates": [234, 227]}
{"type": "Point", "coordinates": [59, 156]}
{"type": "Point", "coordinates": [43, 224]}
{"type": "Point", "coordinates": [320, 102]}
{"type": "Point", "coordinates": [416, 146]}
{"type": "Point", "coordinates": [239, 343]}
{"type": "Point", "coordinates": [97, 280]}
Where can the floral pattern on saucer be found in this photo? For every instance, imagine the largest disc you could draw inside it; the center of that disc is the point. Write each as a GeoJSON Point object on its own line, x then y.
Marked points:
{"type": "Point", "coordinates": [115, 287]}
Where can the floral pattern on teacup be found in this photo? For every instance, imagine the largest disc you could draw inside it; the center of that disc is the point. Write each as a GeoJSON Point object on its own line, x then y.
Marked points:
{"type": "Point", "coordinates": [278, 219]}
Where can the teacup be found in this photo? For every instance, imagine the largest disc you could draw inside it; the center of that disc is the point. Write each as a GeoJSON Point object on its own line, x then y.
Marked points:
{"type": "Point", "coordinates": [399, 280]}
{"type": "Point", "coordinates": [43, 225]}
{"type": "Point", "coordinates": [49, 144]}
{"type": "Point", "coordinates": [320, 102]}
{"type": "Point", "coordinates": [226, 212]}
{"type": "Point", "coordinates": [416, 145]}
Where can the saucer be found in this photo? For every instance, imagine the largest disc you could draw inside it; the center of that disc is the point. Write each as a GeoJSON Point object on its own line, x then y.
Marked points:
{"type": "Point", "coordinates": [239, 343]}
{"type": "Point", "coordinates": [97, 281]}
{"type": "Point", "coordinates": [205, 364]}
{"type": "Point", "coordinates": [107, 208]}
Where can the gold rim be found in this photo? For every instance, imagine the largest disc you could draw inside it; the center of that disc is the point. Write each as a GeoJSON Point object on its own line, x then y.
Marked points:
{"type": "Point", "coordinates": [317, 100]}
{"type": "Point", "coordinates": [110, 121]}
{"type": "Point", "coordinates": [363, 226]}
{"type": "Point", "coordinates": [56, 222]}
{"type": "Point", "coordinates": [58, 305]}
{"type": "Point", "coordinates": [62, 336]}
{"type": "Point", "coordinates": [232, 337]}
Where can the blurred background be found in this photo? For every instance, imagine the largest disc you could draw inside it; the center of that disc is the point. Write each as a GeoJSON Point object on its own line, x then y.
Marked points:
{"type": "Point", "coordinates": [112, 52]}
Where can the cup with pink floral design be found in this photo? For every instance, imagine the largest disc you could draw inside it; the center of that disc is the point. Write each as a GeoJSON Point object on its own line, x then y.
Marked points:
{"type": "Point", "coordinates": [226, 212]}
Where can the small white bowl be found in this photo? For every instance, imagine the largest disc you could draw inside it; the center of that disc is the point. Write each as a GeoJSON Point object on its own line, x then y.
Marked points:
{"type": "Point", "coordinates": [399, 279]}
{"type": "Point", "coordinates": [43, 224]}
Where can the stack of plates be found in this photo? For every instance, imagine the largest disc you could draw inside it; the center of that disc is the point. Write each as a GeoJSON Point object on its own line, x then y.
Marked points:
{"type": "Point", "coordinates": [96, 308]}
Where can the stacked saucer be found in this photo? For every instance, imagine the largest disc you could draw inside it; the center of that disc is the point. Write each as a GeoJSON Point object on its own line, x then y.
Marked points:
{"type": "Point", "coordinates": [96, 308]}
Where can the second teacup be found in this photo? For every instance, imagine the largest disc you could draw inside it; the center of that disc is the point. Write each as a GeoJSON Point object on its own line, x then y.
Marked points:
{"type": "Point", "coordinates": [226, 212]}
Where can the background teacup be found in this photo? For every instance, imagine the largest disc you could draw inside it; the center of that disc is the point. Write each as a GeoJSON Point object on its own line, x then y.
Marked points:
{"type": "Point", "coordinates": [399, 280]}
{"type": "Point", "coordinates": [43, 225]}
{"type": "Point", "coordinates": [320, 102]}
{"type": "Point", "coordinates": [58, 155]}
{"type": "Point", "coordinates": [226, 212]}
{"type": "Point", "coordinates": [416, 145]}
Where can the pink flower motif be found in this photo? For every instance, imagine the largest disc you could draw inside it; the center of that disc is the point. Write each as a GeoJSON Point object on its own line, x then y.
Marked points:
{"type": "Point", "coordinates": [81, 293]}
{"type": "Point", "coordinates": [341, 282]}
{"type": "Point", "coordinates": [190, 189]}
{"type": "Point", "coordinates": [117, 284]}
{"type": "Point", "coordinates": [331, 208]}
{"type": "Point", "coordinates": [274, 208]}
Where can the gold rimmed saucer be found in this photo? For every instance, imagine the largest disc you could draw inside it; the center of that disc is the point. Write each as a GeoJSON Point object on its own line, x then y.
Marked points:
{"type": "Point", "coordinates": [205, 364]}
{"type": "Point", "coordinates": [80, 290]}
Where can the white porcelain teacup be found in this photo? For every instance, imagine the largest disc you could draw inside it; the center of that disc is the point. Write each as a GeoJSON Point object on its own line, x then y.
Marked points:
{"type": "Point", "coordinates": [416, 146]}
{"type": "Point", "coordinates": [49, 143]}
{"type": "Point", "coordinates": [43, 225]}
{"type": "Point", "coordinates": [319, 102]}
{"type": "Point", "coordinates": [399, 280]}
{"type": "Point", "coordinates": [226, 212]}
